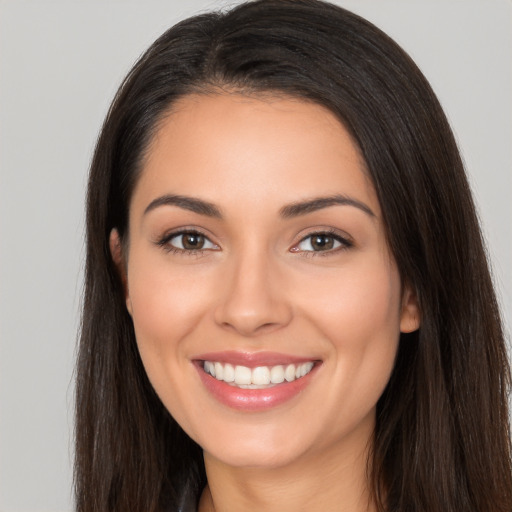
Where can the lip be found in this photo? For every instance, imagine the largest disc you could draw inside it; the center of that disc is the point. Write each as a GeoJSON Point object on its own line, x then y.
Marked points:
{"type": "Point", "coordinates": [253, 400]}
{"type": "Point", "coordinates": [252, 359]}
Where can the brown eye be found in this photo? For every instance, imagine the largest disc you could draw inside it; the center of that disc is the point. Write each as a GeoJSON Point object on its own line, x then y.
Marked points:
{"type": "Point", "coordinates": [322, 242]}
{"type": "Point", "coordinates": [191, 241]}
{"type": "Point", "coordinates": [188, 241]}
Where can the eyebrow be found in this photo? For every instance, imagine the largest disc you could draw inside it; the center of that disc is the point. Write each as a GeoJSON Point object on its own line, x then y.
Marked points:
{"type": "Point", "coordinates": [187, 203]}
{"type": "Point", "coordinates": [318, 203]}
{"type": "Point", "coordinates": [297, 209]}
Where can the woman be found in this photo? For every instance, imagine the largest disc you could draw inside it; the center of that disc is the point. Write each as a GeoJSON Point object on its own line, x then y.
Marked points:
{"type": "Point", "coordinates": [287, 301]}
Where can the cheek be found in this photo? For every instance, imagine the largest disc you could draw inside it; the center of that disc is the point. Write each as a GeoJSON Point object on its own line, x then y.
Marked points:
{"type": "Point", "coordinates": [357, 303]}
{"type": "Point", "coordinates": [358, 312]}
{"type": "Point", "coordinates": [167, 304]}
{"type": "Point", "coordinates": [163, 296]}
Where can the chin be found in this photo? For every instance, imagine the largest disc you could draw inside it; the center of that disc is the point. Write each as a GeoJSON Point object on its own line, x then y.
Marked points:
{"type": "Point", "coordinates": [255, 455]}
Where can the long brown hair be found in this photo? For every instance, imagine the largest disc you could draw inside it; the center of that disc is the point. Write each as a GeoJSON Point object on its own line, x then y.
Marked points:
{"type": "Point", "coordinates": [442, 439]}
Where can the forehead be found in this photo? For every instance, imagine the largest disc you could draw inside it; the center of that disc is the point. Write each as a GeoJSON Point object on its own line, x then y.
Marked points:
{"type": "Point", "coordinates": [233, 148]}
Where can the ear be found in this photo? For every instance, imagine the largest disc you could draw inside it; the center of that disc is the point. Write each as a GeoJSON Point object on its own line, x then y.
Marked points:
{"type": "Point", "coordinates": [410, 315]}
{"type": "Point", "coordinates": [116, 251]}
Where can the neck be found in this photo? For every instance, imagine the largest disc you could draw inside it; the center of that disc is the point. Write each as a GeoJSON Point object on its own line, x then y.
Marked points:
{"type": "Point", "coordinates": [334, 480]}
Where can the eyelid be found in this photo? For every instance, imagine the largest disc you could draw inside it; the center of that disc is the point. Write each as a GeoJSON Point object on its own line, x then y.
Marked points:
{"type": "Point", "coordinates": [164, 241]}
{"type": "Point", "coordinates": [346, 242]}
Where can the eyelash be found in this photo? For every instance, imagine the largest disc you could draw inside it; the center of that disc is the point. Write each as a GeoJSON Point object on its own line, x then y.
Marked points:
{"type": "Point", "coordinates": [164, 242]}
{"type": "Point", "coordinates": [345, 243]}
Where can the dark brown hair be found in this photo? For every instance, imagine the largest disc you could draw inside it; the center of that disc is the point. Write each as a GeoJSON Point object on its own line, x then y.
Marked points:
{"type": "Point", "coordinates": [442, 440]}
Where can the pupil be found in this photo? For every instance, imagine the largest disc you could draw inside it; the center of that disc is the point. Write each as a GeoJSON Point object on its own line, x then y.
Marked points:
{"type": "Point", "coordinates": [322, 242]}
{"type": "Point", "coordinates": [193, 241]}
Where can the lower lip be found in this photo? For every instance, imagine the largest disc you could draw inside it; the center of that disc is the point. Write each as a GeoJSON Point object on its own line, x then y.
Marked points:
{"type": "Point", "coordinates": [254, 399]}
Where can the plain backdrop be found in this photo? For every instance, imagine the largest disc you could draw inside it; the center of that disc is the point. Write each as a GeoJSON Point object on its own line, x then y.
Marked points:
{"type": "Point", "coordinates": [60, 64]}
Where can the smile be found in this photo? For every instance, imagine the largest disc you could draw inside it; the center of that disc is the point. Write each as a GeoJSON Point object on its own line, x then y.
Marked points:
{"type": "Point", "coordinates": [255, 382]}
{"type": "Point", "coordinates": [260, 377]}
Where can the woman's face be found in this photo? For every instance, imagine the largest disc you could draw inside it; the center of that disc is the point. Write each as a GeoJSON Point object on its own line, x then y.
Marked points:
{"type": "Point", "coordinates": [257, 252]}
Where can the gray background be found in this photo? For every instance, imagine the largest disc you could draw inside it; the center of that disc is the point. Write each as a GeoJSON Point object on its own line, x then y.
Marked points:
{"type": "Point", "coordinates": [60, 64]}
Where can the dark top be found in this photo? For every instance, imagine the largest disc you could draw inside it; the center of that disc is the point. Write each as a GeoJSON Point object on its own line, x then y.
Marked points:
{"type": "Point", "coordinates": [188, 499]}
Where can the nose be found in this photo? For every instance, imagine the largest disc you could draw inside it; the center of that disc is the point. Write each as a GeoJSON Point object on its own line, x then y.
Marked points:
{"type": "Point", "coordinates": [253, 297]}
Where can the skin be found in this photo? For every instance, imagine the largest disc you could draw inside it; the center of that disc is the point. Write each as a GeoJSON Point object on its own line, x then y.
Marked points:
{"type": "Point", "coordinates": [257, 285]}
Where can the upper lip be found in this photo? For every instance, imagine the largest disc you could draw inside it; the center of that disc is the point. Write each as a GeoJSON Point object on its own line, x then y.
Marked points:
{"type": "Point", "coordinates": [252, 359]}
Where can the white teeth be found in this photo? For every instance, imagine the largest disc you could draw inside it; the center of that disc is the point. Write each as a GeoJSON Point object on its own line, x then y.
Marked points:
{"type": "Point", "coordinates": [243, 375]}
{"type": "Point", "coordinates": [277, 375]}
{"type": "Point", "coordinates": [209, 368]}
{"type": "Point", "coordinates": [229, 373]}
{"type": "Point", "coordinates": [219, 371]}
{"type": "Point", "coordinates": [306, 368]}
{"type": "Point", "coordinates": [289, 373]}
{"type": "Point", "coordinates": [259, 377]}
